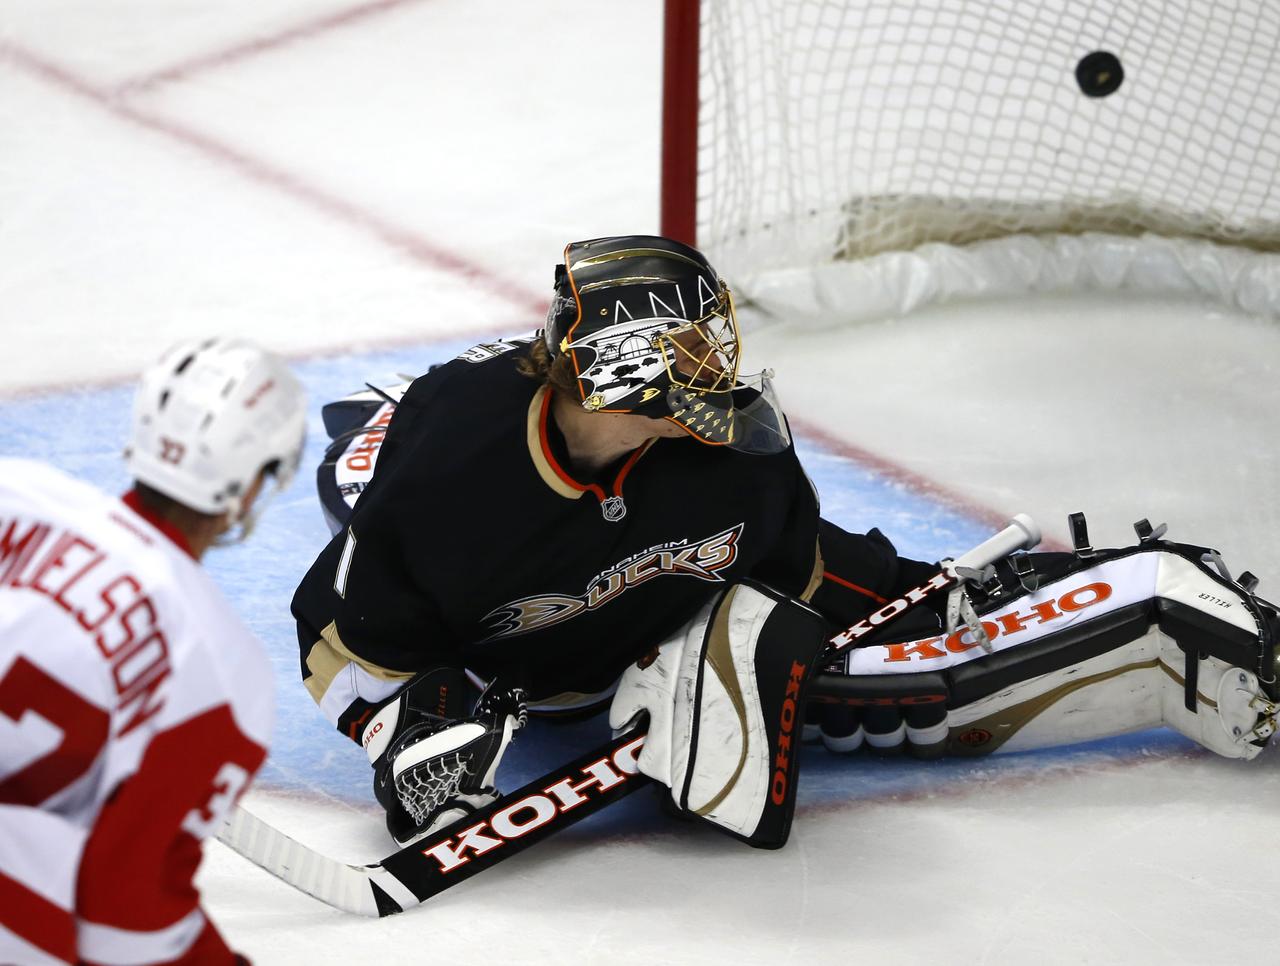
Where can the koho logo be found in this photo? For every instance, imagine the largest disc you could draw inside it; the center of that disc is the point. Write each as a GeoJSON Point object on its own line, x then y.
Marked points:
{"type": "Point", "coordinates": [782, 755]}
{"type": "Point", "coordinates": [1002, 625]}
{"type": "Point", "coordinates": [534, 811]}
{"type": "Point", "coordinates": [974, 737]}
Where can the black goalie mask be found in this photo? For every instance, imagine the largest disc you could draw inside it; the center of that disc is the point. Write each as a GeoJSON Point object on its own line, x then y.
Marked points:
{"type": "Point", "coordinates": [650, 329]}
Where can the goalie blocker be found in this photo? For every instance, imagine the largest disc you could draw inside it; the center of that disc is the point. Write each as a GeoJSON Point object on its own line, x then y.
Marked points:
{"type": "Point", "coordinates": [1083, 645]}
{"type": "Point", "coordinates": [724, 705]}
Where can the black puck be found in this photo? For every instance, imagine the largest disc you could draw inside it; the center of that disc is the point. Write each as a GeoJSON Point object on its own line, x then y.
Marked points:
{"type": "Point", "coordinates": [1099, 73]}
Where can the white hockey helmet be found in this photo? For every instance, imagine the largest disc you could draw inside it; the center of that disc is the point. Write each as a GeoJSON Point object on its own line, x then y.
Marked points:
{"type": "Point", "coordinates": [208, 416]}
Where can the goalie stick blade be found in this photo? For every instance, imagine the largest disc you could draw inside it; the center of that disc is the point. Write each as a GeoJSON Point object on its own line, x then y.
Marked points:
{"type": "Point", "coordinates": [364, 890]}
{"type": "Point", "coordinates": [454, 854]}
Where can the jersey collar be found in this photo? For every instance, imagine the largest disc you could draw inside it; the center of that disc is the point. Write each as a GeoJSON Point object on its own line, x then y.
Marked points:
{"type": "Point", "coordinates": [549, 467]}
{"type": "Point", "coordinates": [134, 502]}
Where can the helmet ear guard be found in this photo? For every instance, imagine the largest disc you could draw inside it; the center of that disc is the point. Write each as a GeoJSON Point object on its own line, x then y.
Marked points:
{"type": "Point", "coordinates": [562, 313]}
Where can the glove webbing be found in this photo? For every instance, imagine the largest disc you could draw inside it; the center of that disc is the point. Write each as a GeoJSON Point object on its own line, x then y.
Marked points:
{"type": "Point", "coordinates": [427, 787]}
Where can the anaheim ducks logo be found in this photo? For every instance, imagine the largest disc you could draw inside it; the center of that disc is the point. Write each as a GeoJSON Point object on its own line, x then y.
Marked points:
{"type": "Point", "coordinates": [703, 560]}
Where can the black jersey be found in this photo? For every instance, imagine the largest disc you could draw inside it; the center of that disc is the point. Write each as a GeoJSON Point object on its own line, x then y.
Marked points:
{"type": "Point", "coordinates": [477, 546]}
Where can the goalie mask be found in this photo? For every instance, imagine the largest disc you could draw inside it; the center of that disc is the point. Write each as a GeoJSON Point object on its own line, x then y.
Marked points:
{"type": "Point", "coordinates": [208, 417]}
{"type": "Point", "coordinates": [650, 330]}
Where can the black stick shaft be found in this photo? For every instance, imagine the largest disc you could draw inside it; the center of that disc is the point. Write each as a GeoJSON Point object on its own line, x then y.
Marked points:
{"type": "Point", "coordinates": [520, 819]}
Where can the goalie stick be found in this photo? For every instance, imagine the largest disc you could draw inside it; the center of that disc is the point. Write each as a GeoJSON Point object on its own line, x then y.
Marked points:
{"type": "Point", "coordinates": [541, 808]}
{"type": "Point", "coordinates": [455, 853]}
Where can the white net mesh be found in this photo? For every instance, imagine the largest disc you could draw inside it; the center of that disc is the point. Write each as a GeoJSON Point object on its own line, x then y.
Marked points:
{"type": "Point", "coordinates": [834, 129]}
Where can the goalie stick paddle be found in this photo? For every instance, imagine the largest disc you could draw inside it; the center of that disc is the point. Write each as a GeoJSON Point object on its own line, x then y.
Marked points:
{"type": "Point", "coordinates": [541, 808]}
{"type": "Point", "coordinates": [454, 854]}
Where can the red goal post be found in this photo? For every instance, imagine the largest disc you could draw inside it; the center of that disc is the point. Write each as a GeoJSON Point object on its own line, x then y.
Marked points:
{"type": "Point", "coordinates": [680, 64]}
{"type": "Point", "coordinates": [811, 144]}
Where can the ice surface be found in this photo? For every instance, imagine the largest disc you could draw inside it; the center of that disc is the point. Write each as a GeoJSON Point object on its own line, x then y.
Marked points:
{"type": "Point", "coordinates": [306, 195]}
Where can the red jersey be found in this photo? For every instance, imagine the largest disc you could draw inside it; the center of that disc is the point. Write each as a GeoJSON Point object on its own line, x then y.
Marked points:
{"type": "Point", "coordinates": [135, 706]}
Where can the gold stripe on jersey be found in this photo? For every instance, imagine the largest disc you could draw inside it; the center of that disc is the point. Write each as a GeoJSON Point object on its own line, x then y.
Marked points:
{"type": "Point", "coordinates": [540, 463]}
{"type": "Point", "coordinates": [328, 656]}
{"type": "Point", "coordinates": [815, 578]}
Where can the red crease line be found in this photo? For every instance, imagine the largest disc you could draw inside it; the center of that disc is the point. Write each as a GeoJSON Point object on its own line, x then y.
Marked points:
{"type": "Point", "coordinates": [257, 45]}
{"type": "Point", "coordinates": [910, 480]}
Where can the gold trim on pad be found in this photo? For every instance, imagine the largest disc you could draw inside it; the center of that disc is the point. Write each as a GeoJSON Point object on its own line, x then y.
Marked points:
{"type": "Point", "coordinates": [1004, 724]}
{"type": "Point", "coordinates": [720, 658]}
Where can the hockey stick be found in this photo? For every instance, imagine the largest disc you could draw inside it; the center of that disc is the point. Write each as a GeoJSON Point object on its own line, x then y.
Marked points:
{"type": "Point", "coordinates": [454, 854]}
{"type": "Point", "coordinates": [541, 808]}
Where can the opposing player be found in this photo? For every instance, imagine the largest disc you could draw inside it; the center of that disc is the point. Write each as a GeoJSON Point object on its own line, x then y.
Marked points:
{"type": "Point", "coordinates": [608, 511]}
{"type": "Point", "coordinates": [134, 704]}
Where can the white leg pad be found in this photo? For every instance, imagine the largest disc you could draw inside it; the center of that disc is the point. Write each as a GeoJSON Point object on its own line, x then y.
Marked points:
{"type": "Point", "coordinates": [1132, 688]}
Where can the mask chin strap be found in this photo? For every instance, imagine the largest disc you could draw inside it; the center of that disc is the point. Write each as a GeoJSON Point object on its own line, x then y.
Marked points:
{"type": "Point", "coordinates": [243, 523]}
{"type": "Point", "coordinates": [242, 527]}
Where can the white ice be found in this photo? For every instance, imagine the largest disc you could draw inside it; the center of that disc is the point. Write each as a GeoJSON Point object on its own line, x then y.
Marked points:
{"type": "Point", "coordinates": [402, 177]}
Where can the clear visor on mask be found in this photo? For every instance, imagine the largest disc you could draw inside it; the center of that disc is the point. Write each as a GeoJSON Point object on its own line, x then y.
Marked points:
{"type": "Point", "coordinates": [746, 418]}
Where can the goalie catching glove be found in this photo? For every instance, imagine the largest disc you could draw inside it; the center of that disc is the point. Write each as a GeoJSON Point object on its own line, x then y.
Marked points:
{"type": "Point", "coordinates": [432, 769]}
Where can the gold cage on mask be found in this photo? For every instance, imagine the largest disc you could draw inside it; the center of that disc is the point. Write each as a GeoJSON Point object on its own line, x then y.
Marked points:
{"type": "Point", "coordinates": [702, 356]}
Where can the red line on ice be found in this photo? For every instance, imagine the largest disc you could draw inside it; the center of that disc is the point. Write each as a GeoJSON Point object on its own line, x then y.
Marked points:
{"type": "Point", "coordinates": [399, 238]}
{"type": "Point", "coordinates": [285, 182]}
{"type": "Point", "coordinates": [258, 45]}
{"type": "Point", "coordinates": [909, 479]}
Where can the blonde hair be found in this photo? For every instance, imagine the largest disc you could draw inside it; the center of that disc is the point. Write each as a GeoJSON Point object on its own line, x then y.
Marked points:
{"type": "Point", "coordinates": [557, 373]}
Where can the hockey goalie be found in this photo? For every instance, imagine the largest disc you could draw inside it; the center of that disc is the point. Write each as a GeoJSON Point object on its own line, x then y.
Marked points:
{"type": "Point", "coordinates": [609, 514]}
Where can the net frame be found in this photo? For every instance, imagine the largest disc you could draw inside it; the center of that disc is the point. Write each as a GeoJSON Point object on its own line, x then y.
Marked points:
{"type": "Point", "coordinates": [802, 136]}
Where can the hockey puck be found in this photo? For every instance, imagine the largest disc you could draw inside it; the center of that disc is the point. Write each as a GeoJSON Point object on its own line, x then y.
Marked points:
{"type": "Point", "coordinates": [1099, 73]}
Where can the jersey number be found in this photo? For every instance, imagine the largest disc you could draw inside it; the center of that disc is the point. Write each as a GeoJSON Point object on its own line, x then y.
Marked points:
{"type": "Point", "coordinates": [84, 726]}
{"type": "Point", "coordinates": [344, 564]}
{"type": "Point", "coordinates": [205, 821]}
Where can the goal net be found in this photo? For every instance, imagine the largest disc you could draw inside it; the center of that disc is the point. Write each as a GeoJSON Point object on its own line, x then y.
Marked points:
{"type": "Point", "coordinates": [830, 133]}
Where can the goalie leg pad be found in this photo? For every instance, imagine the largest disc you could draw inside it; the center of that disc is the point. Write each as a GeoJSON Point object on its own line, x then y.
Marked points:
{"type": "Point", "coordinates": [724, 700]}
{"type": "Point", "coordinates": [1134, 687]}
{"type": "Point", "coordinates": [1118, 642]}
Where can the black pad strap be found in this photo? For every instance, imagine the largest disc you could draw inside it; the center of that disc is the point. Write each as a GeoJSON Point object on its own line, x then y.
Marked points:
{"type": "Point", "coordinates": [1191, 678]}
{"type": "Point", "coordinates": [1080, 535]}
